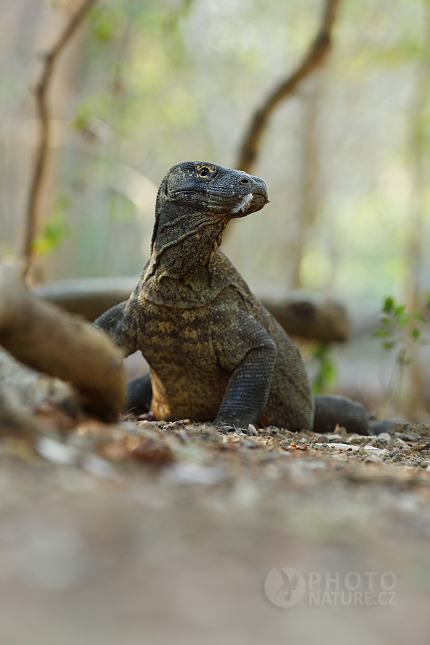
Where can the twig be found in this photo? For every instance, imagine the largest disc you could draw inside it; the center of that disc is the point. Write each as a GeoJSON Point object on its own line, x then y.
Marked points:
{"type": "Point", "coordinates": [41, 93]}
{"type": "Point", "coordinates": [315, 56]}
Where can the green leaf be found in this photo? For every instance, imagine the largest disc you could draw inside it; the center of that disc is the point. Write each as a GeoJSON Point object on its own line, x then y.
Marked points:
{"type": "Point", "coordinates": [388, 305]}
{"type": "Point", "coordinates": [382, 333]}
{"type": "Point", "coordinates": [82, 117]}
{"type": "Point", "coordinates": [326, 370]}
{"type": "Point", "coordinates": [55, 229]}
{"type": "Point", "coordinates": [386, 320]}
{"type": "Point", "coordinates": [403, 359]}
{"type": "Point", "coordinates": [415, 333]}
{"type": "Point", "coordinates": [103, 23]}
{"type": "Point", "coordinates": [403, 318]}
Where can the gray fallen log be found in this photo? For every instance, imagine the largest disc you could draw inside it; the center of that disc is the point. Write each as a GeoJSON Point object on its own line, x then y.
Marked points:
{"type": "Point", "coordinates": [301, 313]}
{"type": "Point", "coordinates": [307, 314]}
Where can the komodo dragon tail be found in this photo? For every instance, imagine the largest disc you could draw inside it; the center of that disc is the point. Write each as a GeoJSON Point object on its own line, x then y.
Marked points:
{"type": "Point", "coordinates": [332, 411]}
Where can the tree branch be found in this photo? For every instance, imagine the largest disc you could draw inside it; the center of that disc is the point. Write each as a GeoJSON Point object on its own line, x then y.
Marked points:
{"type": "Point", "coordinates": [313, 59]}
{"type": "Point", "coordinates": [49, 340]}
{"type": "Point", "coordinates": [41, 93]}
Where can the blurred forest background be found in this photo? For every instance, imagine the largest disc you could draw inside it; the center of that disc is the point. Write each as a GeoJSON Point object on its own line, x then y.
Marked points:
{"type": "Point", "coordinates": [144, 85]}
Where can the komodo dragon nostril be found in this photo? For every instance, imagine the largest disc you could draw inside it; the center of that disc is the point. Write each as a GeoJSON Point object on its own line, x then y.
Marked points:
{"type": "Point", "coordinates": [244, 181]}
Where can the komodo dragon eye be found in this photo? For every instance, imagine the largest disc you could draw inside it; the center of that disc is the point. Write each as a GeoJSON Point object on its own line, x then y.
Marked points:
{"type": "Point", "coordinates": [205, 171]}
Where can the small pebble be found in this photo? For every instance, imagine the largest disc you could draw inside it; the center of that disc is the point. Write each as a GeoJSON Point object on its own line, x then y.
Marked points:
{"type": "Point", "coordinates": [56, 452]}
{"type": "Point", "coordinates": [248, 444]}
{"type": "Point", "coordinates": [384, 436]}
{"type": "Point", "coordinates": [97, 466]}
{"type": "Point", "coordinates": [145, 425]}
{"type": "Point", "coordinates": [183, 436]}
{"type": "Point", "coordinates": [146, 416]}
{"type": "Point", "coordinates": [178, 424]}
{"type": "Point", "coordinates": [400, 442]}
{"type": "Point", "coordinates": [373, 459]}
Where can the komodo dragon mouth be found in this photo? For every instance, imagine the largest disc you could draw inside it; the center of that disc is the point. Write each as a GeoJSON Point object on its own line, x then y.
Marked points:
{"type": "Point", "coordinates": [253, 200]}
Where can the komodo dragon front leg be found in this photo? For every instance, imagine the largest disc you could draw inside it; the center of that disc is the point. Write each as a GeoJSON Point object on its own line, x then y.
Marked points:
{"type": "Point", "coordinates": [247, 351]}
{"type": "Point", "coordinates": [248, 388]}
{"type": "Point", "coordinates": [120, 323]}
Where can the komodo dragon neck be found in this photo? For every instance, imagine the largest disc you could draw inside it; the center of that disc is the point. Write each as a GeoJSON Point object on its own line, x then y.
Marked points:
{"type": "Point", "coordinates": [194, 205]}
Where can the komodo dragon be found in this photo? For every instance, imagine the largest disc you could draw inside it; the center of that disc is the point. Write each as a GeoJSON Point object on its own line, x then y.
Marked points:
{"type": "Point", "coordinates": [215, 353]}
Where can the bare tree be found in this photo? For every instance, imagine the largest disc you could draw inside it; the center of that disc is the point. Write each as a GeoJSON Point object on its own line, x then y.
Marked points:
{"type": "Point", "coordinates": [311, 181]}
{"type": "Point", "coordinates": [41, 93]}
{"type": "Point", "coordinates": [418, 147]}
{"type": "Point", "coordinates": [315, 56]}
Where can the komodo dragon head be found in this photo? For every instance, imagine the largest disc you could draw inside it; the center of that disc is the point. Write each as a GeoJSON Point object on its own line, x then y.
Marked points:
{"type": "Point", "coordinates": [198, 184]}
{"type": "Point", "coordinates": [195, 202]}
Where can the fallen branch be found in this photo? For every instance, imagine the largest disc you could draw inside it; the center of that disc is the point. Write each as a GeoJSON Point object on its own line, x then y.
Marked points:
{"type": "Point", "coordinates": [313, 59]}
{"type": "Point", "coordinates": [41, 92]}
{"type": "Point", "coordinates": [300, 312]}
{"type": "Point", "coordinates": [43, 337]}
{"type": "Point", "coordinates": [309, 315]}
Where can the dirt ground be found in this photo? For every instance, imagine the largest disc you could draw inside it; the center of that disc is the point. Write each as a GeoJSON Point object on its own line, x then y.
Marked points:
{"type": "Point", "coordinates": [155, 533]}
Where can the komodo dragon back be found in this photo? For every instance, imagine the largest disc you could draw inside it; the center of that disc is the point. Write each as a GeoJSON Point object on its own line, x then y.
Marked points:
{"type": "Point", "coordinates": [215, 353]}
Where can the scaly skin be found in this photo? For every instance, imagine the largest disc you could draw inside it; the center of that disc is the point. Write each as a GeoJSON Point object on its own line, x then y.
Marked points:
{"type": "Point", "coordinates": [215, 353]}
